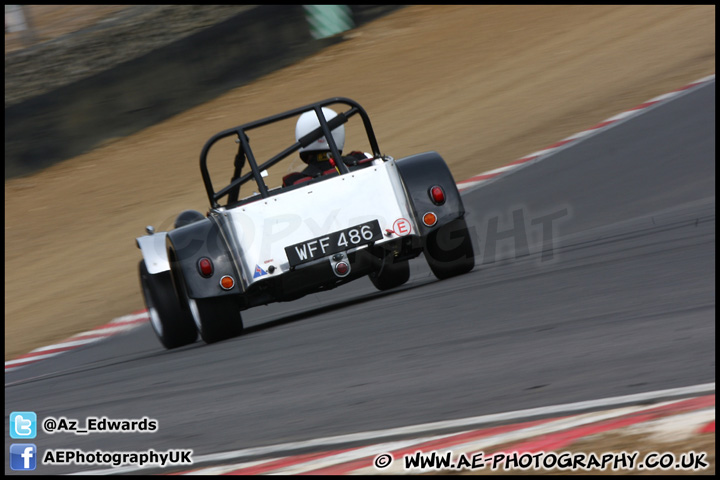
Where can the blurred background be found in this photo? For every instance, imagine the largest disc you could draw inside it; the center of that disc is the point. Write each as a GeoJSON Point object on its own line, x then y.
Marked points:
{"type": "Point", "coordinates": [107, 108]}
{"type": "Point", "coordinates": [68, 67]}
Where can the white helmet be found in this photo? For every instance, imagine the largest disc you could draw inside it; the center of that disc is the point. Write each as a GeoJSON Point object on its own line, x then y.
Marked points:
{"type": "Point", "coordinates": [308, 122]}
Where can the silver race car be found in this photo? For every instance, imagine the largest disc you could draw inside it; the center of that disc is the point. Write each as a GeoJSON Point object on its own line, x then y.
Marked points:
{"type": "Point", "coordinates": [364, 214]}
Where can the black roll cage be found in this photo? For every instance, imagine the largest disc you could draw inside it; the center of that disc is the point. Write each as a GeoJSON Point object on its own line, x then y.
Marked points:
{"type": "Point", "coordinates": [245, 154]}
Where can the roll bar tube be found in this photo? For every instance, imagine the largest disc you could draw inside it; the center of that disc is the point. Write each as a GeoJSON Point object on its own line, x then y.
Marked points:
{"type": "Point", "coordinates": [324, 129]}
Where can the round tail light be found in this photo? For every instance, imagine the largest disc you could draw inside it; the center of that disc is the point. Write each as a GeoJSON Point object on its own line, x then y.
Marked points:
{"type": "Point", "coordinates": [342, 269]}
{"type": "Point", "coordinates": [429, 219]}
{"type": "Point", "coordinates": [227, 282]}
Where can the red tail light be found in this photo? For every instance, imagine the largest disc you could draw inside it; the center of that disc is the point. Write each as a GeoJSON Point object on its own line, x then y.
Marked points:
{"type": "Point", "coordinates": [205, 267]}
{"type": "Point", "coordinates": [342, 269]}
{"type": "Point", "coordinates": [437, 195]}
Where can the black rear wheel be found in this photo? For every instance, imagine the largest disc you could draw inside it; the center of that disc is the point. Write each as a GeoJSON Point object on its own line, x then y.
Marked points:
{"type": "Point", "coordinates": [449, 250]}
{"type": "Point", "coordinates": [216, 318]}
{"type": "Point", "coordinates": [173, 326]}
{"type": "Point", "coordinates": [391, 275]}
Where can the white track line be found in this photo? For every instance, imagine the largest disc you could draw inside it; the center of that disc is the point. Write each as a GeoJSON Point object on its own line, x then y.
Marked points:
{"type": "Point", "coordinates": [425, 429]}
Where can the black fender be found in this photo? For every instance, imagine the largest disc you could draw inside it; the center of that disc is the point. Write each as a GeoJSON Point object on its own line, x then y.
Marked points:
{"type": "Point", "coordinates": [420, 173]}
{"type": "Point", "coordinates": [186, 246]}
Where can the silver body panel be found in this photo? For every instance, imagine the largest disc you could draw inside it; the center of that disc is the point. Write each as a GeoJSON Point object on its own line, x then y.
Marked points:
{"type": "Point", "coordinates": [258, 232]}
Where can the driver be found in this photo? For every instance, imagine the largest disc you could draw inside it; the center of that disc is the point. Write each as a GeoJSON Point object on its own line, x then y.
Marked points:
{"type": "Point", "coordinates": [317, 155]}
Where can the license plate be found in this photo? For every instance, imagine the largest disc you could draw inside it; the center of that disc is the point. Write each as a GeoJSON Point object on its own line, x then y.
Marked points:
{"type": "Point", "coordinates": [335, 242]}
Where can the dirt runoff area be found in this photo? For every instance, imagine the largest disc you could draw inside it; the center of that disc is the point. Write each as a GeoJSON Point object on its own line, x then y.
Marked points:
{"type": "Point", "coordinates": [482, 85]}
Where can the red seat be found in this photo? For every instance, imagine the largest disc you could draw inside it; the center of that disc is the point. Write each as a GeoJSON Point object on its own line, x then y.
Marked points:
{"type": "Point", "coordinates": [299, 177]}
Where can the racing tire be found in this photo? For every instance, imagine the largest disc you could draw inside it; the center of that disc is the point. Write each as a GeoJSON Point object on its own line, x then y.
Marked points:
{"type": "Point", "coordinates": [391, 275]}
{"type": "Point", "coordinates": [173, 326]}
{"type": "Point", "coordinates": [449, 250]}
{"type": "Point", "coordinates": [216, 318]}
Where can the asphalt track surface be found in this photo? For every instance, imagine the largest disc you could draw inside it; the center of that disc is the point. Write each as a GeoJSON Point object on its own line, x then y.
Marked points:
{"type": "Point", "coordinates": [617, 298]}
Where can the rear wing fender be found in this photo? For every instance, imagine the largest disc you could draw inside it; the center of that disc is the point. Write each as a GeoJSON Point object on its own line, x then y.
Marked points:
{"type": "Point", "coordinates": [186, 246]}
{"type": "Point", "coordinates": [420, 173]}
